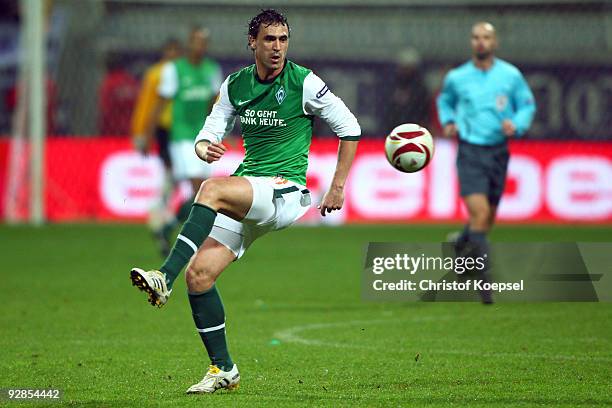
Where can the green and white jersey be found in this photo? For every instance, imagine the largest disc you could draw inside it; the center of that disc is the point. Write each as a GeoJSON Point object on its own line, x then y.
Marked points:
{"type": "Point", "coordinates": [276, 119]}
{"type": "Point", "coordinates": [192, 89]}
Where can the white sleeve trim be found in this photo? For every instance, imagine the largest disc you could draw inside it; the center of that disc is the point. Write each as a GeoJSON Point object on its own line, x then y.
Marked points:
{"type": "Point", "coordinates": [221, 119]}
{"type": "Point", "coordinates": [318, 100]}
{"type": "Point", "coordinates": [168, 84]}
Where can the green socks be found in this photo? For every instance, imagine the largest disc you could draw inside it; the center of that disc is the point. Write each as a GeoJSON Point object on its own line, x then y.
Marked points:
{"type": "Point", "coordinates": [184, 210]}
{"type": "Point", "coordinates": [206, 307]}
{"type": "Point", "coordinates": [209, 318]}
{"type": "Point", "coordinates": [193, 233]}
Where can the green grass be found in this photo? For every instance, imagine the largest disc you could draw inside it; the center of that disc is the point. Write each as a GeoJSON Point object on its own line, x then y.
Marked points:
{"type": "Point", "coordinates": [296, 325]}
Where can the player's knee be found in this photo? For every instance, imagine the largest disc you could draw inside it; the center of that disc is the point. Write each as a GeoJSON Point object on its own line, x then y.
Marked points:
{"type": "Point", "coordinates": [210, 193]}
{"type": "Point", "coordinates": [481, 217]}
{"type": "Point", "coordinates": [199, 277]}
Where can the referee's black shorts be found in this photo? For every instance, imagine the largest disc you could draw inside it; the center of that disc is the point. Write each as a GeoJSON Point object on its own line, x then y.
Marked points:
{"type": "Point", "coordinates": [482, 170]}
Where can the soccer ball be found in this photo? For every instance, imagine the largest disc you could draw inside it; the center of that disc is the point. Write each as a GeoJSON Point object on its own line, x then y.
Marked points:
{"type": "Point", "coordinates": [409, 147]}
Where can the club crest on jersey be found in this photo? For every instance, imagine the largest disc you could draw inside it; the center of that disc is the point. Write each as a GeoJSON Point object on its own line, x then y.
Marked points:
{"type": "Point", "coordinates": [280, 95]}
{"type": "Point", "coordinates": [501, 101]}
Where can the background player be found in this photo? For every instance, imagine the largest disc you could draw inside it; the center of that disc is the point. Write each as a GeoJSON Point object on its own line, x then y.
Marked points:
{"type": "Point", "coordinates": [275, 100]}
{"type": "Point", "coordinates": [191, 83]}
{"type": "Point", "coordinates": [145, 105]}
{"type": "Point", "coordinates": [483, 102]}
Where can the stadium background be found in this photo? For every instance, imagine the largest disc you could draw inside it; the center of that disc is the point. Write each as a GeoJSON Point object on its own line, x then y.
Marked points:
{"type": "Point", "coordinates": [98, 50]}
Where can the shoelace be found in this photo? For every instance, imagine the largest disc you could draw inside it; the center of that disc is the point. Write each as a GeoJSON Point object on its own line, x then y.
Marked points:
{"type": "Point", "coordinates": [213, 369]}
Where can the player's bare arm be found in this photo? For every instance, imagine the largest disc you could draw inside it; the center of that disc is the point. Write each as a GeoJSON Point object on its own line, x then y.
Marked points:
{"type": "Point", "coordinates": [334, 197]}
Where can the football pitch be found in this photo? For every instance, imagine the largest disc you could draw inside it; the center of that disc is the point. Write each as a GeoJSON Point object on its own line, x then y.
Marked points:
{"type": "Point", "coordinates": [296, 324]}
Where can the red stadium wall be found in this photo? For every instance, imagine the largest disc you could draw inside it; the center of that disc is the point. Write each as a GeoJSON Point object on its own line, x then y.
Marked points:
{"type": "Point", "coordinates": [552, 182]}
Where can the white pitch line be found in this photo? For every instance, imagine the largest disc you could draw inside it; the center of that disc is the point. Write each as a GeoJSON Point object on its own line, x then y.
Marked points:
{"type": "Point", "coordinates": [292, 335]}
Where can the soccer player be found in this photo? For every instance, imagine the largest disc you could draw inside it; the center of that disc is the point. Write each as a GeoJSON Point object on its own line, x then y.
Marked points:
{"type": "Point", "coordinates": [146, 103]}
{"type": "Point", "coordinates": [145, 106]}
{"type": "Point", "coordinates": [276, 101]}
{"type": "Point", "coordinates": [191, 83]}
{"type": "Point", "coordinates": [483, 103]}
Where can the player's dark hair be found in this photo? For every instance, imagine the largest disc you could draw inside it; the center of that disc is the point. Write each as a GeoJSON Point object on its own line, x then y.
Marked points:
{"type": "Point", "coordinates": [197, 28]}
{"type": "Point", "coordinates": [267, 18]}
{"type": "Point", "coordinates": [171, 42]}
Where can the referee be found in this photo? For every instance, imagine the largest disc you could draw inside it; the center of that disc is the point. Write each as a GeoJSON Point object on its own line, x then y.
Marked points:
{"type": "Point", "coordinates": [483, 103]}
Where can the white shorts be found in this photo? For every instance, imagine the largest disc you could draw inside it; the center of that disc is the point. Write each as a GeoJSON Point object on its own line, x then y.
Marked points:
{"type": "Point", "coordinates": [277, 203]}
{"type": "Point", "coordinates": [185, 163]}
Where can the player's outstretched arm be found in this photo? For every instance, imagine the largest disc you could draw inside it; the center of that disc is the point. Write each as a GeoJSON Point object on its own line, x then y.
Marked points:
{"type": "Point", "coordinates": [334, 198]}
{"type": "Point", "coordinates": [318, 100]}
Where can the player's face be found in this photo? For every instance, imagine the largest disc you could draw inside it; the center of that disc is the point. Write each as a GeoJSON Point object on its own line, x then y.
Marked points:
{"type": "Point", "coordinates": [270, 46]}
{"type": "Point", "coordinates": [198, 43]}
{"type": "Point", "coordinates": [172, 52]}
{"type": "Point", "coordinates": [483, 41]}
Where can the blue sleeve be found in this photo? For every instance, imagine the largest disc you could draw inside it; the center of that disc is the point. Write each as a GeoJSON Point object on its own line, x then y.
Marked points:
{"type": "Point", "coordinates": [446, 102]}
{"type": "Point", "coordinates": [524, 105]}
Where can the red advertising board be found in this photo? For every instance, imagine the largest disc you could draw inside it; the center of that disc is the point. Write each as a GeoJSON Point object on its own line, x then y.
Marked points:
{"type": "Point", "coordinates": [553, 182]}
